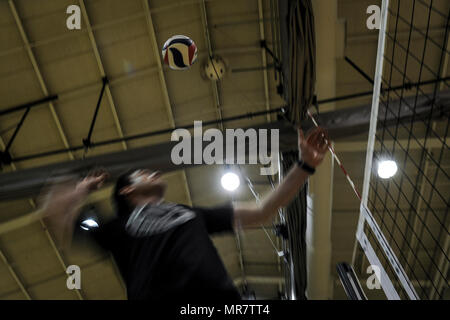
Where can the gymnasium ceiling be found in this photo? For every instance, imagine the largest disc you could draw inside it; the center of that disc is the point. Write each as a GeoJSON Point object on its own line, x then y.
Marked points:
{"type": "Point", "coordinates": [39, 56]}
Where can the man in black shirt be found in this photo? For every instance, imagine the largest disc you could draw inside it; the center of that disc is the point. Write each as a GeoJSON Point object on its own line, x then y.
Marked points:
{"type": "Point", "coordinates": [163, 250]}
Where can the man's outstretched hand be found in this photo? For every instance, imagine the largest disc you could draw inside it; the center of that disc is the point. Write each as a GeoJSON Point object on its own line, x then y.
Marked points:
{"type": "Point", "coordinates": [93, 181]}
{"type": "Point", "coordinates": [62, 204]}
{"type": "Point", "coordinates": [63, 199]}
{"type": "Point", "coordinates": [314, 147]}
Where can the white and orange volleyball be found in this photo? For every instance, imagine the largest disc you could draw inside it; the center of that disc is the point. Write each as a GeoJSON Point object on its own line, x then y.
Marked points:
{"type": "Point", "coordinates": [179, 52]}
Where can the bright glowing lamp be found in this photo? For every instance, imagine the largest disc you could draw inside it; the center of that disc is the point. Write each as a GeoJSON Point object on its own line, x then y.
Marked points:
{"type": "Point", "coordinates": [387, 169]}
{"type": "Point", "coordinates": [230, 181]}
{"type": "Point", "coordinates": [89, 224]}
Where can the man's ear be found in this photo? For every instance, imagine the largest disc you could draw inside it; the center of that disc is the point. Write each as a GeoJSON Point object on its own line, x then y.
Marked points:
{"type": "Point", "coordinates": [126, 190]}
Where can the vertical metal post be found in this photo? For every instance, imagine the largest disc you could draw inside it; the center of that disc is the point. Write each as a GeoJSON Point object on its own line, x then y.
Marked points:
{"type": "Point", "coordinates": [365, 215]}
{"type": "Point", "coordinates": [373, 120]}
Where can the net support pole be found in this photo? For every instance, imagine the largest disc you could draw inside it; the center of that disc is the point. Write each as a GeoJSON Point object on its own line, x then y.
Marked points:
{"type": "Point", "coordinates": [365, 214]}
{"type": "Point", "coordinates": [373, 120]}
{"type": "Point", "coordinates": [375, 102]}
{"type": "Point", "coordinates": [360, 236]}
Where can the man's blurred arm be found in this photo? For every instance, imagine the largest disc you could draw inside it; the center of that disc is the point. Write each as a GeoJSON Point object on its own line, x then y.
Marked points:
{"type": "Point", "coordinates": [63, 205]}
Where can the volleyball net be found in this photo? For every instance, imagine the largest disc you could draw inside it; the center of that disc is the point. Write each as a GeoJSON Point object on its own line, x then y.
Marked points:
{"type": "Point", "coordinates": [403, 228]}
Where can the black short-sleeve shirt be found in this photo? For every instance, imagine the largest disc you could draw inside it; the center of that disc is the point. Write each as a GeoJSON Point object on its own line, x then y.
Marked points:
{"type": "Point", "coordinates": [180, 263]}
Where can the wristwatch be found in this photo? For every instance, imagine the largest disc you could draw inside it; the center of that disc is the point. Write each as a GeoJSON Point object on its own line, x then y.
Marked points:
{"type": "Point", "coordinates": [306, 167]}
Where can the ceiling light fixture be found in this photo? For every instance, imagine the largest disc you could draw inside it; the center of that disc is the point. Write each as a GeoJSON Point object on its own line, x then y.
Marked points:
{"type": "Point", "coordinates": [89, 224]}
{"type": "Point", "coordinates": [230, 181]}
{"type": "Point", "coordinates": [387, 169]}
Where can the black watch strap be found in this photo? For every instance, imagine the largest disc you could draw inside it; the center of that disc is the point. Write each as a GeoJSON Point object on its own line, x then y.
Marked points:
{"type": "Point", "coordinates": [306, 167]}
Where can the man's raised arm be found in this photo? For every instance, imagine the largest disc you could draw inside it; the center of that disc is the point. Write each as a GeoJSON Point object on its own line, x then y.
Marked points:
{"type": "Point", "coordinates": [313, 150]}
{"type": "Point", "coordinates": [62, 207]}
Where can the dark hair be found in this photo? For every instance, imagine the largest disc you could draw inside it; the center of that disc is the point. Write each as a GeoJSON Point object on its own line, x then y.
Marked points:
{"type": "Point", "coordinates": [123, 206]}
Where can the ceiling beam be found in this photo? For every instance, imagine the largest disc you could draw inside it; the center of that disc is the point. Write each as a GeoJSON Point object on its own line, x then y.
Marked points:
{"type": "Point", "coordinates": [38, 73]}
{"type": "Point", "coordinates": [102, 72]}
{"type": "Point", "coordinates": [14, 275]}
{"type": "Point", "coordinates": [163, 83]}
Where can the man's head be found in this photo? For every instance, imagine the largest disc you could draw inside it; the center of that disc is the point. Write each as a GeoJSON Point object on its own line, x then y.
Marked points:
{"type": "Point", "coordinates": [136, 187]}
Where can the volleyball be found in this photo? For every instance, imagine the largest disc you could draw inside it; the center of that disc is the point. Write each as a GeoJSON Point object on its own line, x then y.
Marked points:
{"type": "Point", "coordinates": [179, 52]}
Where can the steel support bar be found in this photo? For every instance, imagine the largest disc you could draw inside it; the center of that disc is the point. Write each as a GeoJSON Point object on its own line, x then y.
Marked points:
{"type": "Point", "coordinates": [5, 156]}
{"type": "Point", "coordinates": [28, 105]}
{"type": "Point", "coordinates": [263, 45]}
{"type": "Point", "coordinates": [360, 71]}
{"type": "Point", "coordinates": [16, 131]}
{"type": "Point", "coordinates": [102, 72]}
{"type": "Point", "coordinates": [87, 141]}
